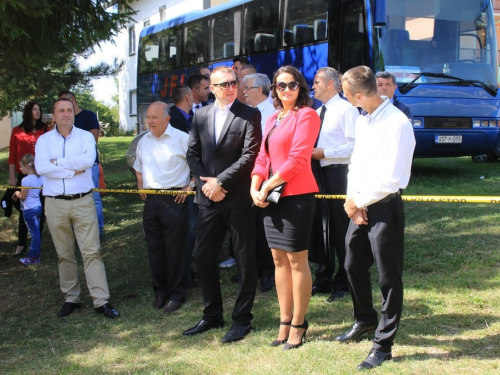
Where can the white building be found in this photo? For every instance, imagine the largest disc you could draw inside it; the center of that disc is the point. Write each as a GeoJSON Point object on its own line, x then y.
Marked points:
{"type": "Point", "coordinates": [149, 12]}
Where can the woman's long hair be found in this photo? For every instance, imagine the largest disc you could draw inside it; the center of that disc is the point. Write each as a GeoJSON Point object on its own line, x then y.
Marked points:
{"type": "Point", "coordinates": [303, 100]}
{"type": "Point", "coordinates": [27, 123]}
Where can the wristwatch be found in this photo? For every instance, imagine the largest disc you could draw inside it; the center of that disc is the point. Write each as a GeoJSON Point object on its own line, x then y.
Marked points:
{"type": "Point", "coordinates": [192, 185]}
{"type": "Point", "coordinates": [219, 182]}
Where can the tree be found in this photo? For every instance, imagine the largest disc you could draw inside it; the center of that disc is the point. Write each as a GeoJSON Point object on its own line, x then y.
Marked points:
{"type": "Point", "coordinates": [40, 40]}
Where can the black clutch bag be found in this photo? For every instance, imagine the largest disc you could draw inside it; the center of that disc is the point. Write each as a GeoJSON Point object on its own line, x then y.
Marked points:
{"type": "Point", "coordinates": [275, 194]}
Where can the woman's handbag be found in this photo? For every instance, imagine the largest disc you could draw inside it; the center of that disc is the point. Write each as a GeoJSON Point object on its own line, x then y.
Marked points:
{"type": "Point", "coordinates": [274, 194]}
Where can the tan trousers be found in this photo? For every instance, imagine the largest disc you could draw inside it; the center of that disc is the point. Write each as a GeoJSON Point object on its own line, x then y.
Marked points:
{"type": "Point", "coordinates": [68, 219]}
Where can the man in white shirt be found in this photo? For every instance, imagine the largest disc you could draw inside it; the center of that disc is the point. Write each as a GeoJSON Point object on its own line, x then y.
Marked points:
{"type": "Point", "coordinates": [64, 158]}
{"type": "Point", "coordinates": [333, 150]}
{"type": "Point", "coordinates": [380, 168]}
{"type": "Point", "coordinates": [161, 164]}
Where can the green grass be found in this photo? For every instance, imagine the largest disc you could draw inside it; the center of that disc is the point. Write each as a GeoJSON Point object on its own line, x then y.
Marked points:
{"type": "Point", "coordinates": [450, 323]}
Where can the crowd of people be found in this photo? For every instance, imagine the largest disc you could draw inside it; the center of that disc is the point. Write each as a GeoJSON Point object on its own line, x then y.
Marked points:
{"type": "Point", "coordinates": [256, 151]}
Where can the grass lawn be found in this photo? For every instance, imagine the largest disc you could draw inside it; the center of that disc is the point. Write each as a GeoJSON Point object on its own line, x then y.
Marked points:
{"type": "Point", "coordinates": [450, 323]}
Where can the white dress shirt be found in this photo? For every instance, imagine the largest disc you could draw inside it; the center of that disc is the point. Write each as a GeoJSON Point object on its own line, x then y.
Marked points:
{"type": "Point", "coordinates": [76, 152]}
{"type": "Point", "coordinates": [220, 119]}
{"type": "Point", "coordinates": [162, 161]}
{"type": "Point", "coordinates": [382, 157]}
{"type": "Point", "coordinates": [337, 135]}
{"type": "Point", "coordinates": [196, 107]}
{"type": "Point", "coordinates": [266, 109]}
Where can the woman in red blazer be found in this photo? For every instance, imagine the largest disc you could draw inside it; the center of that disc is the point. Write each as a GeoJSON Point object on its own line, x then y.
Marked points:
{"type": "Point", "coordinates": [285, 157]}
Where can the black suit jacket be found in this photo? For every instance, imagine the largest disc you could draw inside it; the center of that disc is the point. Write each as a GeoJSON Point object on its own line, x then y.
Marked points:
{"type": "Point", "coordinates": [178, 121]}
{"type": "Point", "coordinates": [403, 108]}
{"type": "Point", "coordinates": [232, 158]}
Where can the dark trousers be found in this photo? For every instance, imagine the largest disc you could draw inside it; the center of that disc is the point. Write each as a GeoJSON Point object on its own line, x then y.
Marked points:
{"type": "Point", "coordinates": [382, 242]}
{"type": "Point", "coordinates": [166, 226]}
{"type": "Point", "coordinates": [264, 257]}
{"type": "Point", "coordinates": [335, 180]}
{"type": "Point", "coordinates": [22, 234]}
{"type": "Point", "coordinates": [213, 222]}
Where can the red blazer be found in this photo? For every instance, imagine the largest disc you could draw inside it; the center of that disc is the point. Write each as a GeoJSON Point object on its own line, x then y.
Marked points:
{"type": "Point", "coordinates": [290, 147]}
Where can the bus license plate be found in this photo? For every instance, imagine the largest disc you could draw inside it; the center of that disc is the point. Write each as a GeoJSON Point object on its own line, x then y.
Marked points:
{"type": "Point", "coordinates": [448, 139]}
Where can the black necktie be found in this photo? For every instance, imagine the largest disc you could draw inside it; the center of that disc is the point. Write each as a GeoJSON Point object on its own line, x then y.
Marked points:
{"type": "Point", "coordinates": [321, 117]}
{"type": "Point", "coordinates": [322, 114]}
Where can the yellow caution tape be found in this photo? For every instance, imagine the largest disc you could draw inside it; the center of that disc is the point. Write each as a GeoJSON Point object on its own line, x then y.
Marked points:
{"type": "Point", "coordinates": [408, 198]}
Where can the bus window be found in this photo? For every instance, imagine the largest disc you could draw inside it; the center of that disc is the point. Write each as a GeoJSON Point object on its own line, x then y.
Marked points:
{"type": "Point", "coordinates": [150, 51]}
{"type": "Point", "coordinates": [225, 34]}
{"type": "Point", "coordinates": [305, 21]}
{"type": "Point", "coordinates": [196, 42]}
{"type": "Point", "coordinates": [170, 47]}
{"type": "Point", "coordinates": [261, 26]}
{"type": "Point", "coordinates": [353, 35]}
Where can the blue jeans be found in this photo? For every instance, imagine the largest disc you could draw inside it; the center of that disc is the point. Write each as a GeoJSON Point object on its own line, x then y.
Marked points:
{"type": "Point", "coordinates": [97, 198]}
{"type": "Point", "coordinates": [32, 220]}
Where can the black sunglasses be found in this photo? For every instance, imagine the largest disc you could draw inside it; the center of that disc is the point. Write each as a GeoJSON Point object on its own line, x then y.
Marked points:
{"type": "Point", "coordinates": [293, 86]}
{"type": "Point", "coordinates": [225, 85]}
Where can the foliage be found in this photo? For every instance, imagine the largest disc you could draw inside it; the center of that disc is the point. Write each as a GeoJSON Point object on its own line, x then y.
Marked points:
{"type": "Point", "coordinates": [40, 40]}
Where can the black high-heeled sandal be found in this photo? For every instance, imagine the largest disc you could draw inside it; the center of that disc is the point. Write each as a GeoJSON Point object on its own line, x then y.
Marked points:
{"type": "Point", "coordinates": [304, 325]}
{"type": "Point", "coordinates": [18, 255]}
{"type": "Point", "coordinates": [280, 342]}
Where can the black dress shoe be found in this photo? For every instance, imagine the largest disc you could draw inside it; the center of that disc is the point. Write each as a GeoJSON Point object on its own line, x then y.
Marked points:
{"type": "Point", "coordinates": [356, 332]}
{"type": "Point", "coordinates": [338, 294]}
{"type": "Point", "coordinates": [203, 326]}
{"type": "Point", "coordinates": [235, 278]}
{"type": "Point", "coordinates": [68, 308]}
{"type": "Point", "coordinates": [108, 311]}
{"type": "Point", "coordinates": [236, 333]}
{"type": "Point", "coordinates": [159, 302]}
{"type": "Point", "coordinates": [172, 306]}
{"type": "Point", "coordinates": [266, 284]}
{"type": "Point", "coordinates": [374, 359]}
{"type": "Point", "coordinates": [320, 289]}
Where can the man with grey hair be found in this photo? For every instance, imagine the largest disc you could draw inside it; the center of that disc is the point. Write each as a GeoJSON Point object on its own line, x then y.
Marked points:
{"type": "Point", "coordinates": [333, 150]}
{"type": "Point", "coordinates": [386, 86]}
{"type": "Point", "coordinates": [256, 89]}
{"type": "Point", "coordinates": [380, 168]}
{"type": "Point", "coordinates": [161, 164]}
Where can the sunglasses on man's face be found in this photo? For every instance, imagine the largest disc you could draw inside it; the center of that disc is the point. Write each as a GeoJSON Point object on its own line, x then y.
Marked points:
{"type": "Point", "coordinates": [225, 85]}
{"type": "Point", "coordinates": [293, 86]}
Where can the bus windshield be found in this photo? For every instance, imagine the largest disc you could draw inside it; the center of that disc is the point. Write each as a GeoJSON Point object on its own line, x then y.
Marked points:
{"type": "Point", "coordinates": [439, 42]}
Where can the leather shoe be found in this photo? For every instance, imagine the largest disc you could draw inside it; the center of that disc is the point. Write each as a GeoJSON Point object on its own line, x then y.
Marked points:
{"type": "Point", "coordinates": [338, 294]}
{"type": "Point", "coordinates": [266, 284]}
{"type": "Point", "coordinates": [172, 306]}
{"type": "Point", "coordinates": [374, 359]}
{"type": "Point", "coordinates": [159, 302]}
{"type": "Point", "coordinates": [236, 333]}
{"type": "Point", "coordinates": [68, 308]}
{"type": "Point", "coordinates": [107, 310]}
{"type": "Point", "coordinates": [235, 278]}
{"type": "Point", "coordinates": [203, 326]}
{"type": "Point", "coordinates": [320, 289]}
{"type": "Point", "coordinates": [356, 332]}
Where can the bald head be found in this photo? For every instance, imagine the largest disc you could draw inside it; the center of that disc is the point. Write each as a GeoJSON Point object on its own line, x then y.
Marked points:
{"type": "Point", "coordinates": [158, 116]}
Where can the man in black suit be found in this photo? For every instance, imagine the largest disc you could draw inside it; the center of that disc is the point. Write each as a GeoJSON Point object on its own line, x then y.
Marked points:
{"type": "Point", "coordinates": [179, 112]}
{"type": "Point", "coordinates": [200, 86]}
{"type": "Point", "coordinates": [223, 145]}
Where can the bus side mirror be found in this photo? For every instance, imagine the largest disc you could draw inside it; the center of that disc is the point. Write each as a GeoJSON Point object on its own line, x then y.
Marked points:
{"type": "Point", "coordinates": [380, 18]}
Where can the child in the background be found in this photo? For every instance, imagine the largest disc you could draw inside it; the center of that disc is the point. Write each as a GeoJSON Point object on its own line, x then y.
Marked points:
{"type": "Point", "coordinates": [31, 206]}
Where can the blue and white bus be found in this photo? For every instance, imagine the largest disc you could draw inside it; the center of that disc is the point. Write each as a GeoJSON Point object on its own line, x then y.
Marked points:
{"type": "Point", "coordinates": [443, 53]}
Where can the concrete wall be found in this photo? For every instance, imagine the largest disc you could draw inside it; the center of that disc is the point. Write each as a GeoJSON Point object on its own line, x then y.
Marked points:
{"type": "Point", "coordinates": [5, 130]}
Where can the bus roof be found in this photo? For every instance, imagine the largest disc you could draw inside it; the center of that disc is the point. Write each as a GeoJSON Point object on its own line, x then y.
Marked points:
{"type": "Point", "coordinates": [190, 16]}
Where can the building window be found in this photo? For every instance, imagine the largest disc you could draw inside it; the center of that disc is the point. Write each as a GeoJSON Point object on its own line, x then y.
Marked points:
{"type": "Point", "coordinates": [131, 40]}
{"type": "Point", "coordinates": [132, 109]}
{"type": "Point", "coordinates": [146, 23]}
{"type": "Point", "coordinates": [163, 13]}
